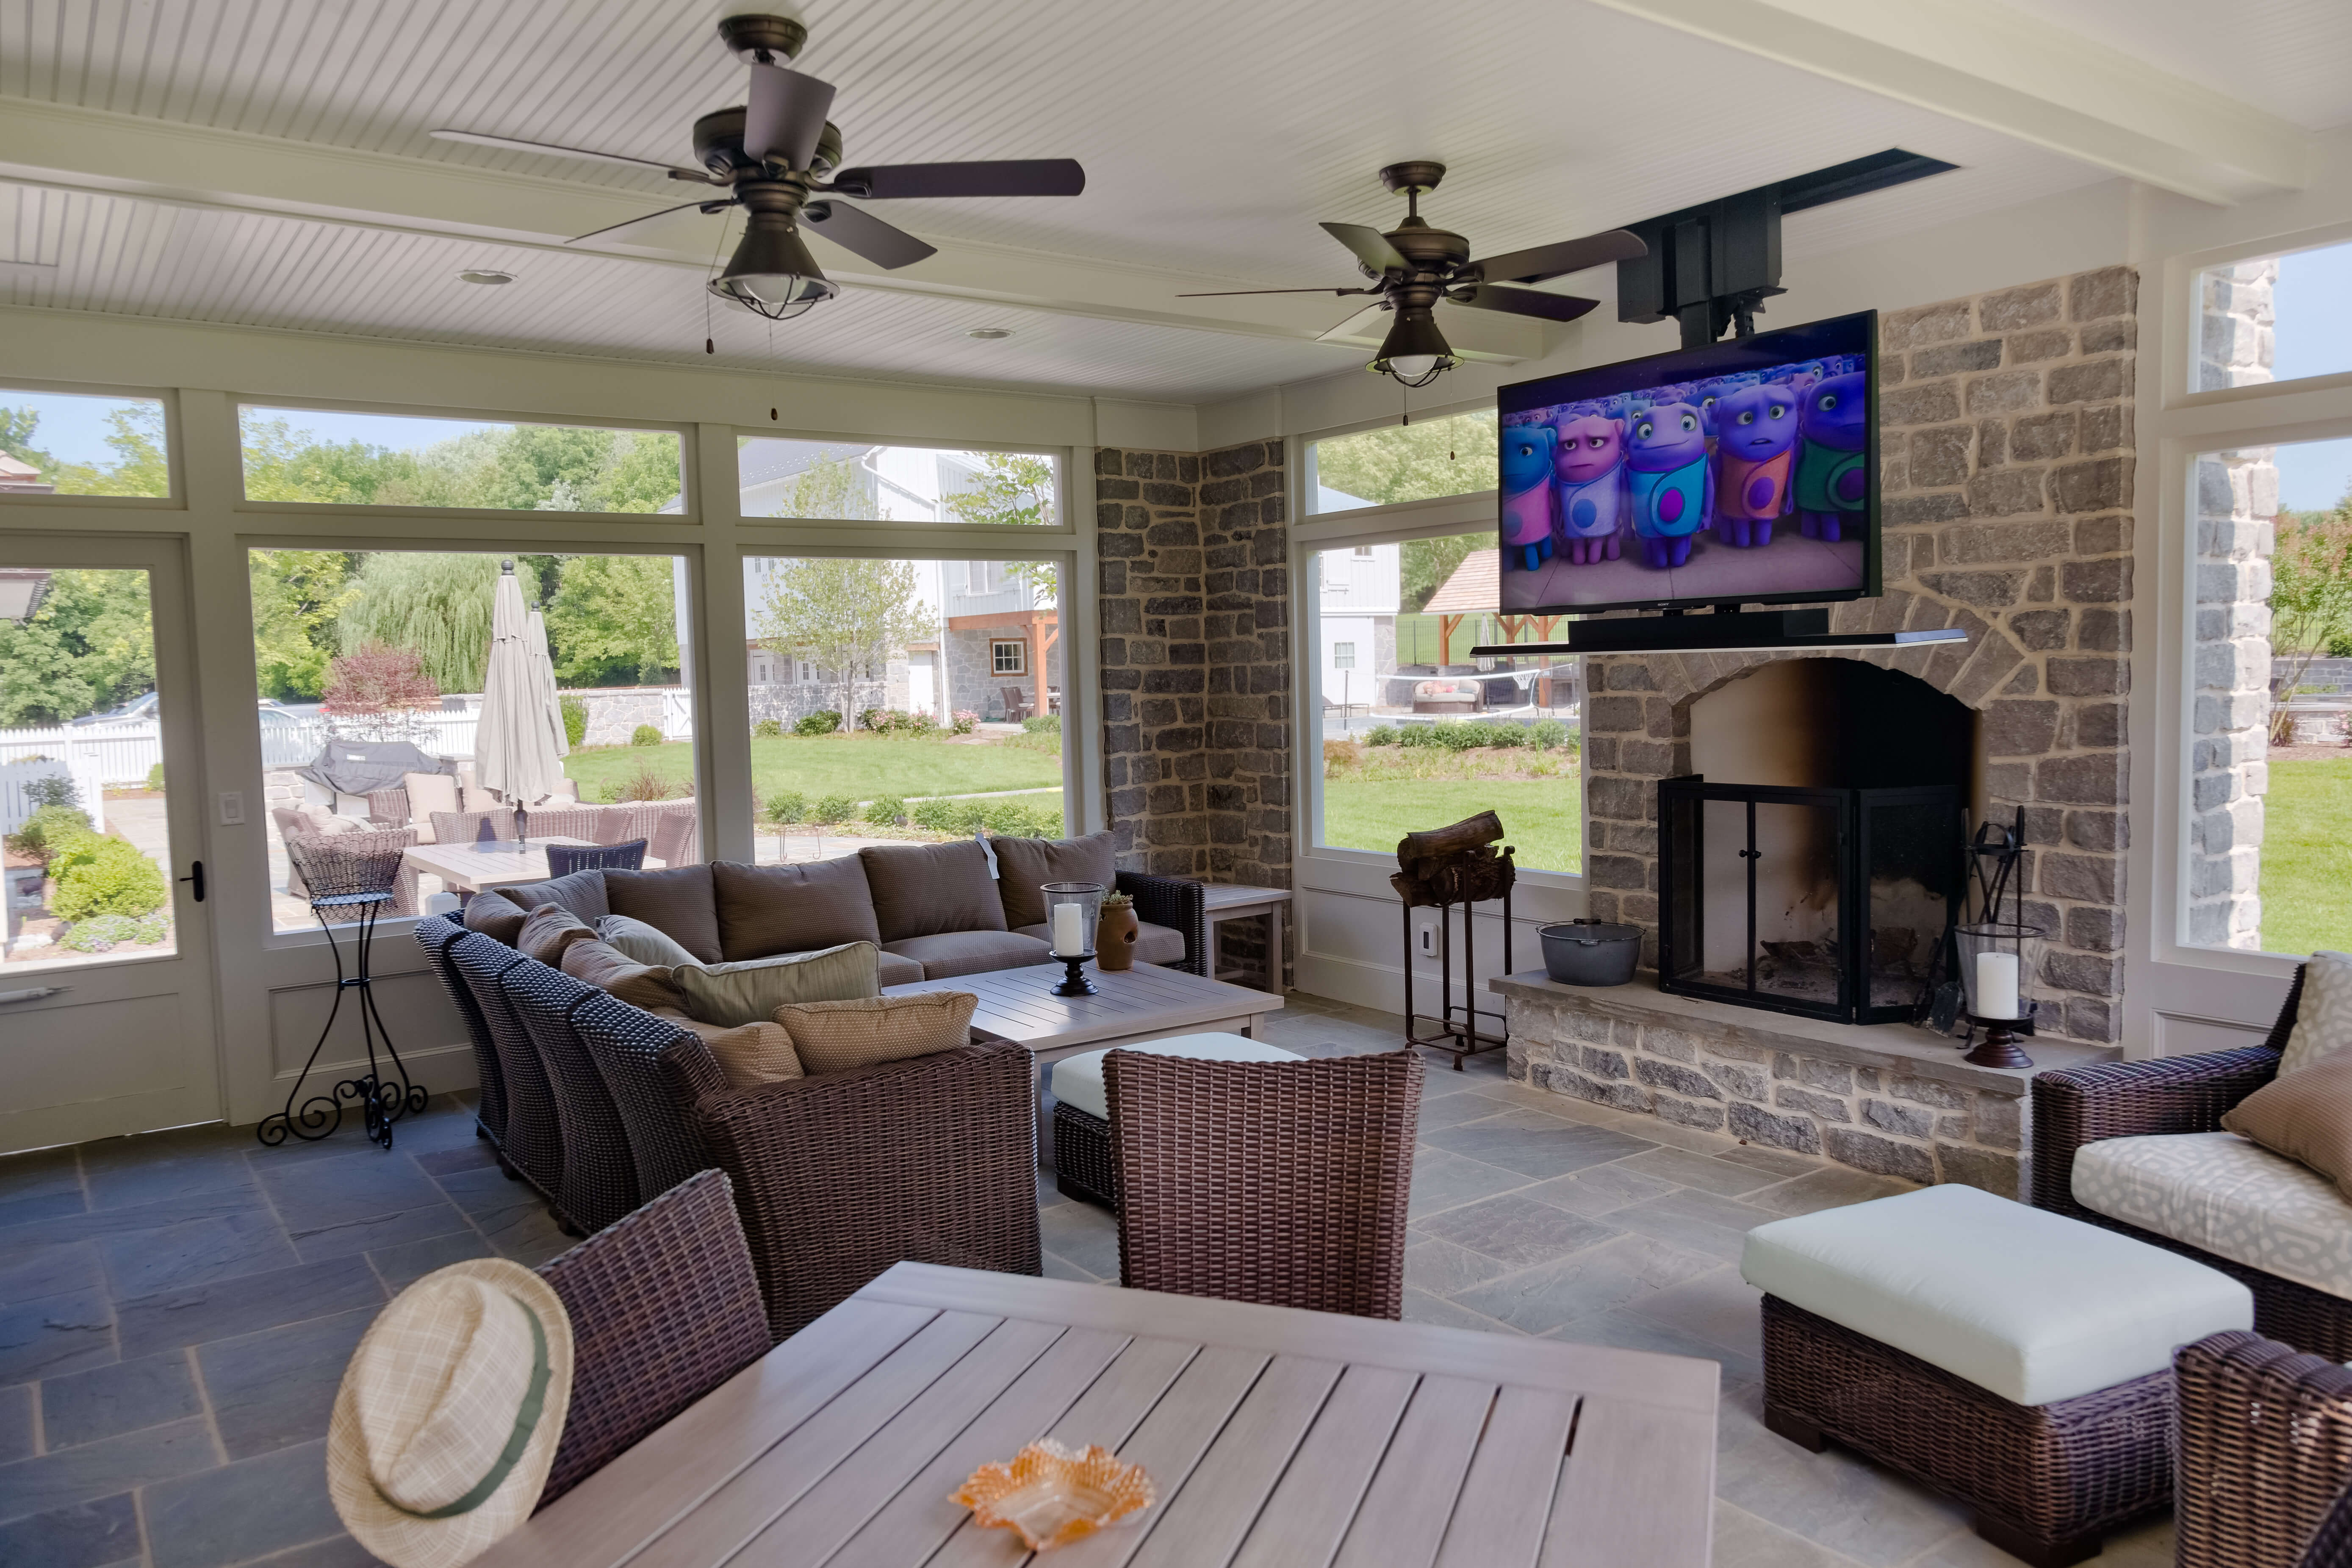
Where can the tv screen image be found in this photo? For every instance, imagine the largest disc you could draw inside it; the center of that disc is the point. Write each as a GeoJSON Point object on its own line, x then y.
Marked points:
{"type": "Point", "coordinates": [1743, 472]}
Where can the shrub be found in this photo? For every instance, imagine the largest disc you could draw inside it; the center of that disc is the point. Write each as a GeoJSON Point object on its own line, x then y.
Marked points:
{"type": "Point", "coordinates": [833, 808]}
{"type": "Point", "coordinates": [155, 778]}
{"type": "Point", "coordinates": [645, 735]}
{"type": "Point", "coordinates": [1017, 819]}
{"type": "Point", "coordinates": [1043, 725]}
{"type": "Point", "coordinates": [110, 878]}
{"type": "Point", "coordinates": [946, 816]}
{"type": "Point", "coordinates": [2340, 646]}
{"type": "Point", "coordinates": [102, 933]}
{"type": "Point", "coordinates": [965, 722]}
{"type": "Point", "coordinates": [788, 807]}
{"type": "Point", "coordinates": [888, 811]}
{"type": "Point", "coordinates": [921, 722]}
{"type": "Point", "coordinates": [575, 720]}
{"type": "Point", "coordinates": [53, 790]}
{"type": "Point", "coordinates": [824, 723]}
{"type": "Point", "coordinates": [768, 730]}
{"type": "Point", "coordinates": [1342, 758]}
{"type": "Point", "coordinates": [645, 782]}
{"type": "Point", "coordinates": [47, 831]}
{"type": "Point", "coordinates": [1381, 735]}
{"type": "Point", "coordinates": [877, 718]}
{"type": "Point", "coordinates": [1419, 735]}
{"type": "Point", "coordinates": [1548, 734]}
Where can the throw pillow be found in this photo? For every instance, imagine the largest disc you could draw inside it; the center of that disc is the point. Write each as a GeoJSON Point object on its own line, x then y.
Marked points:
{"type": "Point", "coordinates": [324, 821]}
{"type": "Point", "coordinates": [1025, 864]}
{"type": "Point", "coordinates": [2323, 1023]}
{"type": "Point", "coordinates": [750, 1054]}
{"type": "Point", "coordinates": [642, 944]}
{"type": "Point", "coordinates": [766, 909]}
{"type": "Point", "coordinates": [548, 930]}
{"type": "Point", "coordinates": [678, 901]}
{"type": "Point", "coordinates": [924, 890]}
{"type": "Point", "coordinates": [2305, 1115]}
{"type": "Point", "coordinates": [609, 970]}
{"type": "Point", "coordinates": [733, 994]}
{"type": "Point", "coordinates": [583, 893]}
{"type": "Point", "coordinates": [834, 1035]}
{"type": "Point", "coordinates": [494, 915]}
{"type": "Point", "coordinates": [428, 793]}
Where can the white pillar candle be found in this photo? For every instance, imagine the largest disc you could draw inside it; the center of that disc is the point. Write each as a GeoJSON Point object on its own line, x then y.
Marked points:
{"type": "Point", "coordinates": [1997, 985]}
{"type": "Point", "coordinates": [1069, 932]}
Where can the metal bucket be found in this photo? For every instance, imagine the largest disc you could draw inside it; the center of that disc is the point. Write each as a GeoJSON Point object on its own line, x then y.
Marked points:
{"type": "Point", "coordinates": [1590, 952]}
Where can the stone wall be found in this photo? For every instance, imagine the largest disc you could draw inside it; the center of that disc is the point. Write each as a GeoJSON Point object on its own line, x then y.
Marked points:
{"type": "Point", "coordinates": [972, 682]}
{"type": "Point", "coordinates": [2006, 434]}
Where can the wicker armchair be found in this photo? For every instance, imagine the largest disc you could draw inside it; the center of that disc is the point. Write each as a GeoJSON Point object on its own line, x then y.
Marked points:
{"type": "Point", "coordinates": [627, 1043]}
{"type": "Point", "coordinates": [2179, 1094]}
{"type": "Point", "coordinates": [435, 934]}
{"type": "Point", "coordinates": [533, 1141]}
{"type": "Point", "coordinates": [1284, 1182]}
{"type": "Point", "coordinates": [466, 827]}
{"type": "Point", "coordinates": [1180, 904]}
{"type": "Point", "coordinates": [933, 1159]}
{"type": "Point", "coordinates": [664, 1309]}
{"type": "Point", "coordinates": [599, 1183]}
{"type": "Point", "coordinates": [677, 838]}
{"type": "Point", "coordinates": [2263, 1456]}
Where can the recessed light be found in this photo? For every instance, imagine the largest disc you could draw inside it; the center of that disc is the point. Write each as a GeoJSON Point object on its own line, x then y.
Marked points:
{"type": "Point", "coordinates": [990, 335]}
{"type": "Point", "coordinates": [485, 275]}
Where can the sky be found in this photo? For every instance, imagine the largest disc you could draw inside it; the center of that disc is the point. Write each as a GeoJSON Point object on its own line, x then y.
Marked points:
{"type": "Point", "coordinates": [73, 427]}
{"type": "Point", "coordinates": [2314, 301]}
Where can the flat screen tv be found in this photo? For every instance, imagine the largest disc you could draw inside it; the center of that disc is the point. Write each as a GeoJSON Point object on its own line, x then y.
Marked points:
{"type": "Point", "coordinates": [1745, 472]}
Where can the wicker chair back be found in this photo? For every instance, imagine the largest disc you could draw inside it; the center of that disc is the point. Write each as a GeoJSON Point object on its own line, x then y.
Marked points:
{"type": "Point", "coordinates": [534, 1141]}
{"type": "Point", "coordinates": [1284, 1182]}
{"type": "Point", "coordinates": [664, 1309]}
{"type": "Point", "coordinates": [600, 1179]}
{"type": "Point", "coordinates": [627, 1043]}
{"type": "Point", "coordinates": [563, 860]}
{"type": "Point", "coordinates": [677, 838]}
{"type": "Point", "coordinates": [436, 934]}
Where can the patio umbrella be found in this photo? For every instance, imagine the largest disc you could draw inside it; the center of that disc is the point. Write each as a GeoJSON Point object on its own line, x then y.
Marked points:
{"type": "Point", "coordinates": [519, 743]}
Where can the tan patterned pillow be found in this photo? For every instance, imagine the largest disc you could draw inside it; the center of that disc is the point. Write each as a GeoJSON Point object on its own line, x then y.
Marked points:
{"type": "Point", "coordinates": [831, 1037]}
{"type": "Point", "coordinates": [2323, 1023]}
{"type": "Point", "coordinates": [548, 930]}
{"type": "Point", "coordinates": [2305, 1116]}
{"type": "Point", "coordinates": [615, 973]}
{"type": "Point", "coordinates": [749, 1053]}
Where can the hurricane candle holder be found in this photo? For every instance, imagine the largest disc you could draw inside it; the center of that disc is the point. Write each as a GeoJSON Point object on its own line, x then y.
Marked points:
{"type": "Point", "coordinates": [1072, 912]}
{"type": "Point", "coordinates": [1998, 962]}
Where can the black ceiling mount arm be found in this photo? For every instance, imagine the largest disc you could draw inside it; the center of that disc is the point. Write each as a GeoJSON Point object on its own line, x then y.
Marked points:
{"type": "Point", "coordinates": [1711, 266]}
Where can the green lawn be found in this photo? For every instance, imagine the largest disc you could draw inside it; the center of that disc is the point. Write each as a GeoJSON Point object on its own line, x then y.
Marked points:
{"type": "Point", "coordinates": [2307, 860]}
{"type": "Point", "coordinates": [859, 767]}
{"type": "Point", "coordinates": [1541, 817]}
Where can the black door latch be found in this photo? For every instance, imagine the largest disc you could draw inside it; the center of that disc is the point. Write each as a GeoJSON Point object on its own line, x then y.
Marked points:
{"type": "Point", "coordinates": [197, 875]}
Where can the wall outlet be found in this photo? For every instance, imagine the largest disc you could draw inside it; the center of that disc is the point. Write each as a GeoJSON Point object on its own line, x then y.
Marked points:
{"type": "Point", "coordinates": [232, 808]}
{"type": "Point", "coordinates": [1425, 934]}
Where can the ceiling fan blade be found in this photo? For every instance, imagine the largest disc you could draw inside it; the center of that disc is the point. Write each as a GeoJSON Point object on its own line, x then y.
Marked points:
{"type": "Point", "coordinates": [886, 245]}
{"type": "Point", "coordinates": [1522, 301]}
{"type": "Point", "coordinates": [1229, 293]}
{"type": "Point", "coordinates": [1005, 177]}
{"type": "Point", "coordinates": [510, 144]}
{"type": "Point", "coordinates": [625, 223]}
{"type": "Point", "coordinates": [785, 116]}
{"type": "Point", "coordinates": [1369, 322]}
{"type": "Point", "coordinates": [1370, 245]}
{"type": "Point", "coordinates": [1538, 262]}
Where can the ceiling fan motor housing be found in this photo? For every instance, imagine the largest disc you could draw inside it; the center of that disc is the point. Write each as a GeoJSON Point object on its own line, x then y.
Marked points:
{"type": "Point", "coordinates": [719, 143]}
{"type": "Point", "coordinates": [762, 39]}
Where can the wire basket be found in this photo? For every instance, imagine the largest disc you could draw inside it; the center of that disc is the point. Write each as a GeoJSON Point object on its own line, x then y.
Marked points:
{"type": "Point", "coordinates": [348, 867]}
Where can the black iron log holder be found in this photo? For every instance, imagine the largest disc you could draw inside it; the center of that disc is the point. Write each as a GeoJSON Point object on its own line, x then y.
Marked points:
{"type": "Point", "coordinates": [1440, 869]}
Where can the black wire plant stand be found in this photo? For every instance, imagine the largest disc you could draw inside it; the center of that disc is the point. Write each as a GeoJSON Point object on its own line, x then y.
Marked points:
{"type": "Point", "coordinates": [353, 875]}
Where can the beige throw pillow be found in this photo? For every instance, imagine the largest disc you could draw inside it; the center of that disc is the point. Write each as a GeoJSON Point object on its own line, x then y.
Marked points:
{"type": "Point", "coordinates": [612, 971]}
{"type": "Point", "coordinates": [2323, 1022]}
{"type": "Point", "coordinates": [548, 930]}
{"type": "Point", "coordinates": [750, 1054]}
{"type": "Point", "coordinates": [2305, 1116]}
{"type": "Point", "coordinates": [750, 992]}
{"type": "Point", "coordinates": [428, 793]}
{"type": "Point", "coordinates": [834, 1035]}
{"type": "Point", "coordinates": [645, 944]}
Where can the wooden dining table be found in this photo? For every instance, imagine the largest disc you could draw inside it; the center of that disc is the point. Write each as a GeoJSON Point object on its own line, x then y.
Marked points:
{"type": "Point", "coordinates": [1273, 1438]}
{"type": "Point", "coordinates": [472, 868]}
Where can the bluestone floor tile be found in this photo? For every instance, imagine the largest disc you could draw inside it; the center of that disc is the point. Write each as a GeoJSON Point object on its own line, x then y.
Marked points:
{"type": "Point", "coordinates": [42, 1173]}
{"type": "Point", "coordinates": [1515, 1231]}
{"type": "Point", "coordinates": [335, 1551]}
{"type": "Point", "coordinates": [1744, 1541]}
{"type": "Point", "coordinates": [1779, 1162]}
{"type": "Point", "coordinates": [30, 1268]}
{"type": "Point", "coordinates": [321, 1193]}
{"type": "Point", "coordinates": [528, 1235]}
{"type": "Point", "coordinates": [1083, 1235]}
{"type": "Point", "coordinates": [128, 1171]}
{"type": "Point", "coordinates": [1694, 1221]}
{"type": "Point", "coordinates": [487, 1193]}
{"type": "Point", "coordinates": [25, 1211]}
{"type": "Point", "coordinates": [1443, 1181]}
{"type": "Point", "coordinates": [16, 1424]}
{"type": "Point", "coordinates": [79, 1535]}
{"type": "Point", "coordinates": [51, 1336]}
{"type": "Point", "coordinates": [106, 1468]}
{"type": "Point", "coordinates": [1420, 1306]}
{"type": "Point", "coordinates": [277, 1387]}
{"type": "Point", "coordinates": [1553, 1295]}
{"type": "Point", "coordinates": [474, 1154]}
{"type": "Point", "coordinates": [199, 1313]}
{"type": "Point", "coordinates": [1534, 1144]}
{"type": "Point", "coordinates": [342, 1239]}
{"type": "Point", "coordinates": [243, 1510]}
{"type": "Point", "coordinates": [140, 1219]}
{"type": "Point", "coordinates": [1599, 1189]}
{"type": "Point", "coordinates": [1686, 1168]}
{"type": "Point", "coordinates": [1836, 1499]}
{"type": "Point", "coordinates": [1059, 1268]}
{"type": "Point", "coordinates": [195, 1251]}
{"type": "Point", "coordinates": [1718, 1307]}
{"type": "Point", "coordinates": [1452, 1110]}
{"type": "Point", "coordinates": [1829, 1187]}
{"type": "Point", "coordinates": [108, 1401]}
{"type": "Point", "coordinates": [402, 1265]}
{"type": "Point", "coordinates": [1631, 1328]}
{"type": "Point", "coordinates": [1441, 1268]}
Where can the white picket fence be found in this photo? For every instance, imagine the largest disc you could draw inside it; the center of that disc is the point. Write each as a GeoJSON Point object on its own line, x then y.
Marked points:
{"type": "Point", "coordinates": [296, 744]}
{"type": "Point", "coordinates": [78, 763]}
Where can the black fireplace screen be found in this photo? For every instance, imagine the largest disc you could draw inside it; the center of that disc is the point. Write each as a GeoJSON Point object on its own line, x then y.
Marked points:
{"type": "Point", "coordinates": [1832, 903]}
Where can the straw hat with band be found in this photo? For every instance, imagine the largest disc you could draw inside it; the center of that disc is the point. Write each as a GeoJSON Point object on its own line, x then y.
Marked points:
{"type": "Point", "coordinates": [447, 1420]}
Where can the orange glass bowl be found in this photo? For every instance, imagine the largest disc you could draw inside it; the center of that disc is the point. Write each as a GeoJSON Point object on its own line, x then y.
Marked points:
{"type": "Point", "coordinates": [1052, 1497]}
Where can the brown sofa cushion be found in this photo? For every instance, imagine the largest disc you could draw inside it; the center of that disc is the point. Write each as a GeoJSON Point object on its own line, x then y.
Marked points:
{"type": "Point", "coordinates": [583, 893]}
{"type": "Point", "coordinates": [833, 1037]}
{"type": "Point", "coordinates": [750, 1054]}
{"type": "Point", "coordinates": [678, 901]}
{"type": "Point", "coordinates": [1153, 944]}
{"type": "Point", "coordinates": [970, 952]}
{"type": "Point", "coordinates": [495, 915]}
{"type": "Point", "coordinates": [548, 930]}
{"type": "Point", "coordinates": [615, 973]}
{"type": "Point", "coordinates": [895, 969]}
{"type": "Point", "coordinates": [920, 891]}
{"type": "Point", "coordinates": [767, 910]}
{"type": "Point", "coordinates": [1023, 864]}
{"type": "Point", "coordinates": [2305, 1115]}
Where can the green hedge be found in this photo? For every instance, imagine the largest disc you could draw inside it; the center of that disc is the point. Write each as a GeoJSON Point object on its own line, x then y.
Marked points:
{"type": "Point", "coordinates": [107, 877]}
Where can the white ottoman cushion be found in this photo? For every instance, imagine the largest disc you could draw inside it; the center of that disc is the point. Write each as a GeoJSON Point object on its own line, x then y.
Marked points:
{"type": "Point", "coordinates": [1078, 1080]}
{"type": "Point", "coordinates": [2031, 1305]}
{"type": "Point", "coordinates": [2227, 1195]}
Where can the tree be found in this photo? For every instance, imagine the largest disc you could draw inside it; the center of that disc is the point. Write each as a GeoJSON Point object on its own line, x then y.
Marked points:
{"type": "Point", "coordinates": [1424, 564]}
{"type": "Point", "coordinates": [17, 428]}
{"type": "Point", "coordinates": [437, 605]}
{"type": "Point", "coordinates": [1012, 489]}
{"type": "Point", "coordinates": [372, 689]}
{"type": "Point", "coordinates": [89, 647]}
{"type": "Point", "coordinates": [2311, 597]}
{"type": "Point", "coordinates": [612, 617]}
{"type": "Point", "coordinates": [297, 597]}
{"type": "Point", "coordinates": [832, 487]}
{"type": "Point", "coordinates": [844, 614]}
{"type": "Point", "coordinates": [1449, 456]}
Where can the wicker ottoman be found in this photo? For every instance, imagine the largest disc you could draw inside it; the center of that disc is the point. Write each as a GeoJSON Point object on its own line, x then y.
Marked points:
{"type": "Point", "coordinates": [1083, 1166]}
{"type": "Point", "coordinates": [2014, 1358]}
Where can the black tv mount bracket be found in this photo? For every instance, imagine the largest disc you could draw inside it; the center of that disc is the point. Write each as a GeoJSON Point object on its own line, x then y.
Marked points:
{"type": "Point", "coordinates": [1712, 267]}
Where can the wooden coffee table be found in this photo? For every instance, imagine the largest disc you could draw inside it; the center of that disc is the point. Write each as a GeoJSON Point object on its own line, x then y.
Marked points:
{"type": "Point", "coordinates": [1146, 1002]}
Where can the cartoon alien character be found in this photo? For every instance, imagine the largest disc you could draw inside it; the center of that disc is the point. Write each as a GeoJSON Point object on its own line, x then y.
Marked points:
{"type": "Point", "coordinates": [1833, 481]}
{"type": "Point", "coordinates": [1673, 486]}
{"type": "Point", "coordinates": [1527, 492]}
{"type": "Point", "coordinates": [1755, 455]}
{"type": "Point", "coordinates": [1705, 403]}
{"type": "Point", "coordinates": [1806, 375]}
{"type": "Point", "coordinates": [1588, 484]}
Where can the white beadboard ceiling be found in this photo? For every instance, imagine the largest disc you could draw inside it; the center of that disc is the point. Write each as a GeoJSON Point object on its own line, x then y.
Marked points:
{"type": "Point", "coordinates": [1215, 136]}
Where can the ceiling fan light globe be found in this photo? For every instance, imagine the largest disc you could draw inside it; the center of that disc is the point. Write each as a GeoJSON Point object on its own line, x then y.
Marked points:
{"type": "Point", "coordinates": [1411, 367]}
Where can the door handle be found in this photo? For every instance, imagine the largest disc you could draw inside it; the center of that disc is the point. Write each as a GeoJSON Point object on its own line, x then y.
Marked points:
{"type": "Point", "coordinates": [197, 875]}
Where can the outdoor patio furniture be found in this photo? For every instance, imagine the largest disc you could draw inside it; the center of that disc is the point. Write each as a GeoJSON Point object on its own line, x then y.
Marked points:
{"type": "Point", "coordinates": [434, 935]}
{"type": "Point", "coordinates": [534, 1141]}
{"type": "Point", "coordinates": [562, 821]}
{"type": "Point", "coordinates": [664, 1309]}
{"type": "Point", "coordinates": [1282, 1183]}
{"type": "Point", "coordinates": [469, 867]}
{"type": "Point", "coordinates": [357, 839]}
{"type": "Point", "coordinates": [2016, 1360]}
{"type": "Point", "coordinates": [2082, 1107]}
{"type": "Point", "coordinates": [2263, 1442]}
{"type": "Point", "coordinates": [627, 1043]}
{"type": "Point", "coordinates": [563, 860]}
{"type": "Point", "coordinates": [599, 1179]}
{"type": "Point", "coordinates": [1085, 1166]}
{"type": "Point", "coordinates": [454, 829]}
{"type": "Point", "coordinates": [677, 838]}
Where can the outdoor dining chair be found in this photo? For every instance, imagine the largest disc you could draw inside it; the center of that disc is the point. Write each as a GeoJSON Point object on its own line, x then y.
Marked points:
{"type": "Point", "coordinates": [1282, 1183]}
{"type": "Point", "coordinates": [664, 1308]}
{"type": "Point", "coordinates": [677, 838]}
{"type": "Point", "coordinates": [563, 860]}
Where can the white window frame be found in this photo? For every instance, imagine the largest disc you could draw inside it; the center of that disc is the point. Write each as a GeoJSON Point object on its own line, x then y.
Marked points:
{"type": "Point", "coordinates": [1343, 651]}
{"type": "Point", "coordinates": [996, 665]}
{"type": "Point", "coordinates": [1067, 489]}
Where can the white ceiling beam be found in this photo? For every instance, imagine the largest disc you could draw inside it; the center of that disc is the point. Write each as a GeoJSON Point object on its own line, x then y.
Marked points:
{"type": "Point", "coordinates": [2005, 70]}
{"type": "Point", "coordinates": [118, 155]}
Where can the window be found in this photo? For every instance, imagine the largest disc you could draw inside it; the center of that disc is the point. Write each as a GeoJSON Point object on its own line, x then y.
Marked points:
{"type": "Point", "coordinates": [75, 444]}
{"type": "Point", "coordinates": [1416, 735]}
{"type": "Point", "coordinates": [2275, 318]}
{"type": "Point", "coordinates": [331, 458]}
{"type": "Point", "coordinates": [857, 481]}
{"type": "Point", "coordinates": [899, 729]}
{"type": "Point", "coordinates": [372, 666]}
{"type": "Point", "coordinates": [1449, 456]}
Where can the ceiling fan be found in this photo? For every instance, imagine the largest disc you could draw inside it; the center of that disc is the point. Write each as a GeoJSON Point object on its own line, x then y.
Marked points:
{"type": "Point", "coordinates": [778, 150]}
{"type": "Point", "coordinates": [1415, 266]}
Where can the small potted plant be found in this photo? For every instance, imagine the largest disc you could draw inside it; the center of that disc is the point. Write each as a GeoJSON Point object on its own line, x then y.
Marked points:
{"type": "Point", "coordinates": [1115, 934]}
